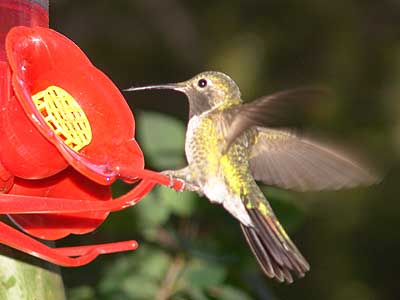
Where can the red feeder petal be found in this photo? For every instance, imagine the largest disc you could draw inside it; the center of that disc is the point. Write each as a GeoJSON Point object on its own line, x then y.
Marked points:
{"type": "Point", "coordinates": [68, 184]}
{"type": "Point", "coordinates": [41, 58]}
{"type": "Point", "coordinates": [24, 152]}
{"type": "Point", "coordinates": [6, 180]}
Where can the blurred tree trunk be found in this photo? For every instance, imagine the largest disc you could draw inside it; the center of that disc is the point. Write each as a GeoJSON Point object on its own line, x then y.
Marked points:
{"type": "Point", "coordinates": [26, 278]}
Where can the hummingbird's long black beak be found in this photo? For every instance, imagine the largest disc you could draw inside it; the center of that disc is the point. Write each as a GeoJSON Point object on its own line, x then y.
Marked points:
{"type": "Point", "coordinates": [169, 86]}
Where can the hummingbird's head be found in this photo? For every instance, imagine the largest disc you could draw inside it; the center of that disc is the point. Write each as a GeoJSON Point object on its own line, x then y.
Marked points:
{"type": "Point", "coordinates": [205, 91]}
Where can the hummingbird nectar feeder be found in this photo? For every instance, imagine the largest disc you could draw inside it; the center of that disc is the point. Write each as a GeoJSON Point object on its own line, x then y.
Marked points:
{"type": "Point", "coordinates": [66, 135]}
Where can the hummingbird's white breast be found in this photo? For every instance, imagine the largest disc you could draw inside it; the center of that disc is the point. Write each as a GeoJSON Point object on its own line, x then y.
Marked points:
{"type": "Point", "coordinates": [192, 126]}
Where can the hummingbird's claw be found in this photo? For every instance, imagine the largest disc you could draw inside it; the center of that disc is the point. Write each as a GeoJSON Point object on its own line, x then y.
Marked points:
{"type": "Point", "coordinates": [183, 184]}
{"type": "Point", "coordinates": [173, 180]}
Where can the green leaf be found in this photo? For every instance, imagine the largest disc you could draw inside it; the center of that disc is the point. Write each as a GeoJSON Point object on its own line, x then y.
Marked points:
{"type": "Point", "coordinates": [196, 294]}
{"type": "Point", "coordinates": [116, 272]}
{"type": "Point", "coordinates": [155, 210]}
{"type": "Point", "coordinates": [162, 138]}
{"type": "Point", "coordinates": [181, 203]}
{"type": "Point", "coordinates": [153, 263]}
{"type": "Point", "coordinates": [139, 287]}
{"type": "Point", "coordinates": [227, 292]}
{"type": "Point", "coordinates": [136, 276]}
{"type": "Point", "coordinates": [152, 212]}
{"type": "Point", "coordinates": [203, 274]}
{"type": "Point", "coordinates": [82, 292]}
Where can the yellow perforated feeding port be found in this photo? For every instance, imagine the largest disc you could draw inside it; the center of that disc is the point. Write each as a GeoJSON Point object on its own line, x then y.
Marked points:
{"type": "Point", "coordinates": [64, 115]}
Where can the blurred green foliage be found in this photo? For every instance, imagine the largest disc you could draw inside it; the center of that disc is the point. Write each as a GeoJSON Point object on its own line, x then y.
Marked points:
{"type": "Point", "coordinates": [191, 249]}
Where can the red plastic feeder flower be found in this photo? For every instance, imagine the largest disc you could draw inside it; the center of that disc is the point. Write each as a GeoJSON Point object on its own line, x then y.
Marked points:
{"type": "Point", "coordinates": [66, 135]}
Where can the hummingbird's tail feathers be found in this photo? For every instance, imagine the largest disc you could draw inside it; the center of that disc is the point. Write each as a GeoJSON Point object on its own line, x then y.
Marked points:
{"type": "Point", "coordinates": [269, 266]}
{"type": "Point", "coordinates": [275, 252]}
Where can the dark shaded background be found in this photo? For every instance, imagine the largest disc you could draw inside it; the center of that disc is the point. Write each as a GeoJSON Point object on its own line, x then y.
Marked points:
{"type": "Point", "coordinates": [193, 250]}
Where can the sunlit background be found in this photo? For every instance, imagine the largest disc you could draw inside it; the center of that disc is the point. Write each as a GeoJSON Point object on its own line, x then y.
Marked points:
{"type": "Point", "coordinates": [191, 249]}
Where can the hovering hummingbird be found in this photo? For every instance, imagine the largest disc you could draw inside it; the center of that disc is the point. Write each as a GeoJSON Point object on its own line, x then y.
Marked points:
{"type": "Point", "coordinates": [231, 144]}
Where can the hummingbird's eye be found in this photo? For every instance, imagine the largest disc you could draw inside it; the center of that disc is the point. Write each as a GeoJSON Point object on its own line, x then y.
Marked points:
{"type": "Point", "coordinates": [202, 83]}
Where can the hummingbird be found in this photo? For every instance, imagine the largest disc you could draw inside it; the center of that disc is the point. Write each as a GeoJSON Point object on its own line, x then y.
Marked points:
{"type": "Point", "coordinates": [230, 145]}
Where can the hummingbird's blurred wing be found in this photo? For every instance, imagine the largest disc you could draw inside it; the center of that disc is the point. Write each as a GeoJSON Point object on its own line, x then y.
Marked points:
{"type": "Point", "coordinates": [276, 110]}
{"type": "Point", "coordinates": [283, 159]}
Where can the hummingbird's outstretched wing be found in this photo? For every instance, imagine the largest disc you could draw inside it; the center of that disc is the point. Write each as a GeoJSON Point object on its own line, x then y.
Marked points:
{"type": "Point", "coordinates": [276, 110]}
{"type": "Point", "coordinates": [283, 159]}
{"type": "Point", "coordinates": [277, 255]}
